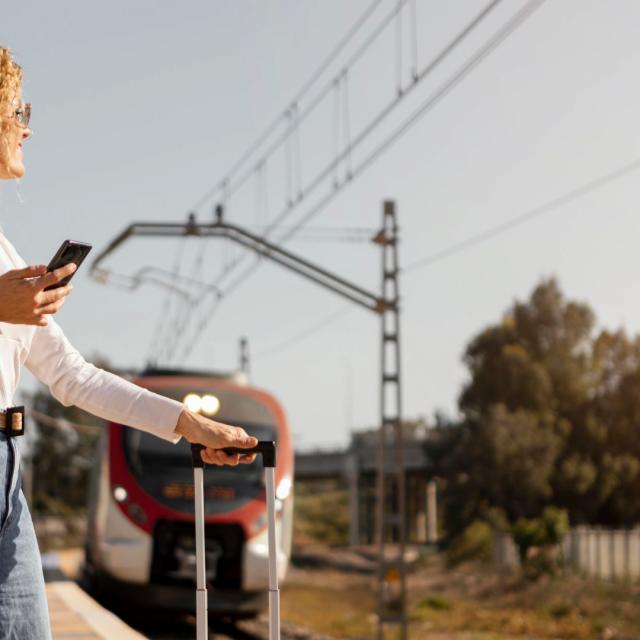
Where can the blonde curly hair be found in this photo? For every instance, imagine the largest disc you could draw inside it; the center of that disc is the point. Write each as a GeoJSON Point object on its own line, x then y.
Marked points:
{"type": "Point", "coordinates": [10, 78]}
{"type": "Point", "coordinates": [10, 84]}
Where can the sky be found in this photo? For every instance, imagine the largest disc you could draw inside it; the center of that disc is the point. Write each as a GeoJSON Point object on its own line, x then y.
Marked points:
{"type": "Point", "coordinates": [141, 107]}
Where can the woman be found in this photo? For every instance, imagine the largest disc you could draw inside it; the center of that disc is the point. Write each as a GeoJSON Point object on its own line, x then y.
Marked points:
{"type": "Point", "coordinates": [29, 337]}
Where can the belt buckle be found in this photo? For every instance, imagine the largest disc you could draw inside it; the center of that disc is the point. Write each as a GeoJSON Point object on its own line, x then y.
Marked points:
{"type": "Point", "coordinates": [14, 421]}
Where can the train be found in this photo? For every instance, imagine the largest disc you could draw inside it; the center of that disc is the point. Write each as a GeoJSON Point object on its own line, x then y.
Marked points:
{"type": "Point", "coordinates": [141, 534]}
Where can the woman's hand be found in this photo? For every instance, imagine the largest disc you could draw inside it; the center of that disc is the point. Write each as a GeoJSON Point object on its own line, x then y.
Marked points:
{"type": "Point", "coordinates": [22, 296]}
{"type": "Point", "coordinates": [215, 436]}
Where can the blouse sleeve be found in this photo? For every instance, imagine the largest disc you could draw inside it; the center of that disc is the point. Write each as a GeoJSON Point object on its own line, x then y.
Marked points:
{"type": "Point", "coordinates": [72, 380]}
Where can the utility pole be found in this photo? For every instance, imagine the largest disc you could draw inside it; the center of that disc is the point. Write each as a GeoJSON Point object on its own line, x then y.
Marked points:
{"type": "Point", "coordinates": [390, 485]}
{"type": "Point", "coordinates": [390, 499]}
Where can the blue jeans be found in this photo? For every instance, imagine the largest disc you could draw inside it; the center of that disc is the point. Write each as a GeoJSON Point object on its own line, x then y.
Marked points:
{"type": "Point", "coordinates": [23, 603]}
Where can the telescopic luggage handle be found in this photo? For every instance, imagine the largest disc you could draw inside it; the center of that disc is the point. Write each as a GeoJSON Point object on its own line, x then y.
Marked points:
{"type": "Point", "coordinates": [267, 449]}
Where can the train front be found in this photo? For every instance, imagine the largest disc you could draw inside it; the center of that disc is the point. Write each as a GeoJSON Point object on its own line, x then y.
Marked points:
{"type": "Point", "coordinates": [141, 526]}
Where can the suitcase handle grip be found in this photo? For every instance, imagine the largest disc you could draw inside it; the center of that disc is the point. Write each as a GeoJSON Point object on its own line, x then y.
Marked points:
{"type": "Point", "coordinates": [265, 447]}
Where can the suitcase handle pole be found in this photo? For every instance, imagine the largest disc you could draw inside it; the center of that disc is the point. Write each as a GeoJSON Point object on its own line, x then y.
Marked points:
{"type": "Point", "coordinates": [202, 616]}
{"type": "Point", "coordinates": [268, 451]}
{"type": "Point", "coordinates": [274, 592]}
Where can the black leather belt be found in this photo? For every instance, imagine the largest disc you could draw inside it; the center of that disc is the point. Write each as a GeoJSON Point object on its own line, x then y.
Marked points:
{"type": "Point", "coordinates": [12, 421]}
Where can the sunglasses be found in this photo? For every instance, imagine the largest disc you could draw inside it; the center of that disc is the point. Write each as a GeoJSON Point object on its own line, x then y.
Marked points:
{"type": "Point", "coordinates": [23, 114]}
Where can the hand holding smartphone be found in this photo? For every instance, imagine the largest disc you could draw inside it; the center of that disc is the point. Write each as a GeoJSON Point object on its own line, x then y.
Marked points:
{"type": "Point", "coordinates": [69, 251]}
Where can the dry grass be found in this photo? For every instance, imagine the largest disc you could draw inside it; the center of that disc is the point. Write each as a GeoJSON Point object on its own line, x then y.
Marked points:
{"type": "Point", "coordinates": [472, 602]}
{"type": "Point", "coordinates": [328, 604]}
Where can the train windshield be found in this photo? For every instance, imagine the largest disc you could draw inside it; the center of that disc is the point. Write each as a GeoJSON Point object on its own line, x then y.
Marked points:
{"type": "Point", "coordinates": [164, 469]}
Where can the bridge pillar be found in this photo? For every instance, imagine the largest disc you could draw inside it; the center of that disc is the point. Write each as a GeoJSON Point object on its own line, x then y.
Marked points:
{"type": "Point", "coordinates": [352, 476]}
{"type": "Point", "coordinates": [432, 512]}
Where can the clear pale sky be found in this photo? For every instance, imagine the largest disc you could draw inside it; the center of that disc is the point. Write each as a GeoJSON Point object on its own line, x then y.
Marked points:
{"type": "Point", "coordinates": [140, 107]}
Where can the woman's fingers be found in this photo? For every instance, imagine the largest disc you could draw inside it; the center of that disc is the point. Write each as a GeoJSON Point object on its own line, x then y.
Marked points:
{"type": "Point", "coordinates": [220, 457]}
{"type": "Point", "coordinates": [32, 271]}
{"type": "Point", "coordinates": [53, 277]}
{"type": "Point", "coordinates": [218, 435]}
{"type": "Point", "coordinates": [238, 437]}
{"type": "Point", "coordinates": [48, 297]}
{"type": "Point", "coordinates": [49, 309]}
{"type": "Point", "coordinates": [229, 436]}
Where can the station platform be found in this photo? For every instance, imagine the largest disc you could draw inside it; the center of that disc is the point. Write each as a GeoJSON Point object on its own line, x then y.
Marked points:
{"type": "Point", "coordinates": [74, 614]}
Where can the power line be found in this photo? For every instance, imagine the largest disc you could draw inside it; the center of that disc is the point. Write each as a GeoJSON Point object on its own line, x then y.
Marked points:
{"type": "Point", "coordinates": [488, 47]}
{"type": "Point", "coordinates": [307, 333]}
{"type": "Point", "coordinates": [383, 114]}
{"type": "Point", "coordinates": [524, 218]}
{"type": "Point", "coordinates": [345, 156]}
{"type": "Point", "coordinates": [230, 188]}
{"type": "Point", "coordinates": [460, 247]}
{"type": "Point", "coordinates": [315, 76]}
{"type": "Point", "coordinates": [493, 43]}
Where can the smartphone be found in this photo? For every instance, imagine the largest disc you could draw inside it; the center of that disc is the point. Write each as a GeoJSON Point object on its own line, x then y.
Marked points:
{"type": "Point", "coordinates": [69, 251]}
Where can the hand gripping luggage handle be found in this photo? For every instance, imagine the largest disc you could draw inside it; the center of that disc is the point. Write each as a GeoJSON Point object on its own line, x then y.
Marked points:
{"type": "Point", "coordinates": [265, 447]}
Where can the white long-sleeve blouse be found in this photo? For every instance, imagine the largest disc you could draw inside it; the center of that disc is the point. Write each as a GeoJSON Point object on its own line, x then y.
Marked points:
{"type": "Point", "coordinates": [47, 353]}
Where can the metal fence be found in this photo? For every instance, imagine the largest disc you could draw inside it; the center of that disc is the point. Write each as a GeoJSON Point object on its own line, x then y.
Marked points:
{"type": "Point", "coordinates": [611, 554]}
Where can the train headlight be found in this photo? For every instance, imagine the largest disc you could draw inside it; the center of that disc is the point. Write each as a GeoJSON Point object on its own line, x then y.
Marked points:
{"type": "Point", "coordinates": [120, 493]}
{"type": "Point", "coordinates": [193, 402]}
{"type": "Point", "coordinates": [284, 489]}
{"type": "Point", "coordinates": [207, 404]}
{"type": "Point", "coordinates": [210, 405]}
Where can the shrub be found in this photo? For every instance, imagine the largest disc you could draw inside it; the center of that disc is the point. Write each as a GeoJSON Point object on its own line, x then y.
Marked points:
{"type": "Point", "coordinates": [474, 543]}
{"type": "Point", "coordinates": [537, 540]}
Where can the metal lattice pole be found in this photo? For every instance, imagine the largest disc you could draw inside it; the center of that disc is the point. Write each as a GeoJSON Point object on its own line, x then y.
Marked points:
{"type": "Point", "coordinates": [391, 495]}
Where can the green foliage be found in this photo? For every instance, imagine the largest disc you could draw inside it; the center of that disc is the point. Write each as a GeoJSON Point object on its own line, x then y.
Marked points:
{"type": "Point", "coordinates": [436, 602]}
{"type": "Point", "coordinates": [62, 456]}
{"type": "Point", "coordinates": [550, 417]}
{"type": "Point", "coordinates": [474, 543]}
{"type": "Point", "coordinates": [538, 541]}
{"type": "Point", "coordinates": [545, 531]}
{"type": "Point", "coordinates": [321, 514]}
{"type": "Point", "coordinates": [62, 459]}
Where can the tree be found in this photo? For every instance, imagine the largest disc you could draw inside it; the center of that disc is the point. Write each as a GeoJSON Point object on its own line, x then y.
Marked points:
{"type": "Point", "coordinates": [62, 456]}
{"type": "Point", "coordinates": [550, 417]}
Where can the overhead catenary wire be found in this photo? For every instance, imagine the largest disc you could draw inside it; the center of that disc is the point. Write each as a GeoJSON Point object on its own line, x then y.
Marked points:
{"type": "Point", "coordinates": [462, 72]}
{"type": "Point", "coordinates": [399, 48]}
{"type": "Point", "coordinates": [306, 333]}
{"type": "Point", "coordinates": [377, 120]}
{"type": "Point", "coordinates": [468, 243]}
{"type": "Point", "coordinates": [228, 268]}
{"type": "Point", "coordinates": [524, 218]}
{"type": "Point", "coordinates": [232, 186]}
{"type": "Point", "coordinates": [158, 335]}
{"type": "Point", "coordinates": [413, 25]}
{"type": "Point", "coordinates": [340, 158]}
{"type": "Point", "coordinates": [490, 45]}
{"type": "Point", "coordinates": [311, 81]}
